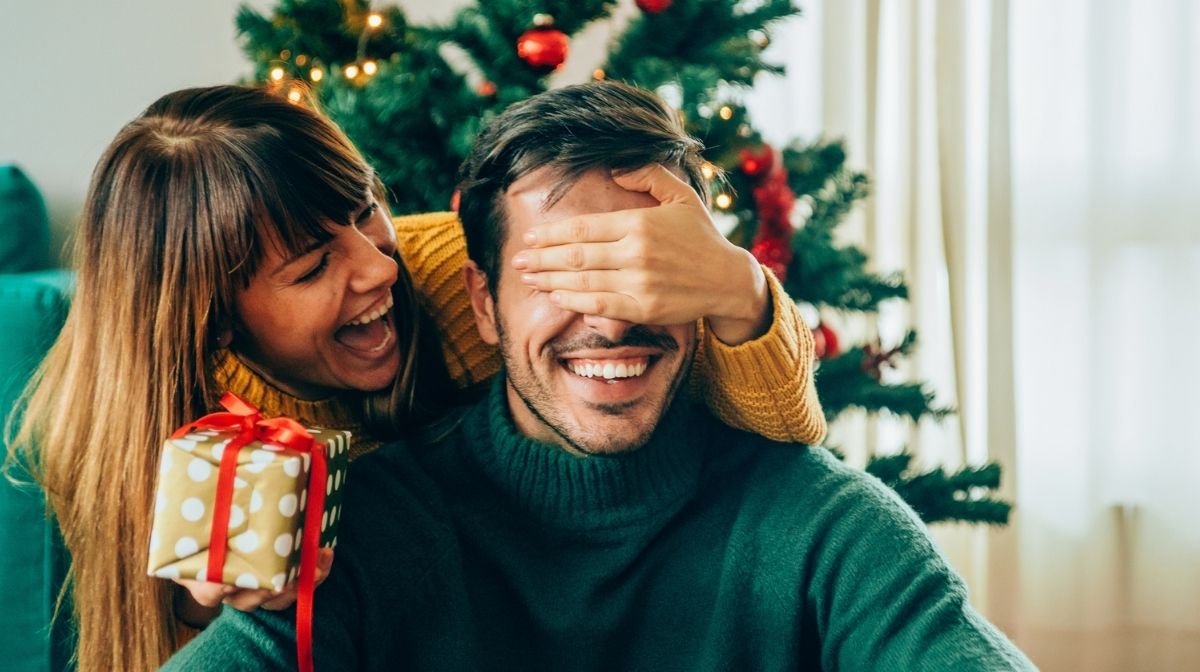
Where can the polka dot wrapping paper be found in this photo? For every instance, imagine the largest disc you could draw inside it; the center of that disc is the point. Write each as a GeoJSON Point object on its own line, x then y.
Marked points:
{"type": "Point", "coordinates": [266, 514]}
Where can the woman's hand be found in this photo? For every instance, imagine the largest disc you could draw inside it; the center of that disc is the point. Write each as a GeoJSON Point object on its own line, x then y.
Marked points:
{"type": "Point", "coordinates": [660, 265]}
{"type": "Point", "coordinates": [206, 597]}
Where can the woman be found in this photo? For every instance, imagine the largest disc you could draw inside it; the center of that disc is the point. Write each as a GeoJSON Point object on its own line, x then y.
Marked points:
{"type": "Point", "coordinates": [232, 240]}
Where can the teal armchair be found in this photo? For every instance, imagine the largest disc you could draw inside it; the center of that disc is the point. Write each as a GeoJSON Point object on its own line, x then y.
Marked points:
{"type": "Point", "coordinates": [33, 562]}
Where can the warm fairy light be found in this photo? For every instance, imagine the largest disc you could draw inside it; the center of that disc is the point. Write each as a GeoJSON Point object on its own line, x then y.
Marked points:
{"type": "Point", "coordinates": [301, 59]}
{"type": "Point", "coordinates": [726, 112]}
{"type": "Point", "coordinates": [724, 201]}
{"type": "Point", "coordinates": [316, 74]}
{"type": "Point", "coordinates": [369, 68]}
{"type": "Point", "coordinates": [277, 74]}
{"type": "Point", "coordinates": [351, 71]}
{"type": "Point", "coordinates": [598, 74]}
{"type": "Point", "coordinates": [285, 54]}
{"type": "Point", "coordinates": [707, 171]}
{"type": "Point", "coordinates": [374, 20]}
{"type": "Point", "coordinates": [294, 95]}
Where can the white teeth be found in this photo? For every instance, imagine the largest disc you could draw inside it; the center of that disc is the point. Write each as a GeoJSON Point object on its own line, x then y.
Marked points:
{"type": "Point", "coordinates": [373, 315]}
{"type": "Point", "coordinates": [608, 371]}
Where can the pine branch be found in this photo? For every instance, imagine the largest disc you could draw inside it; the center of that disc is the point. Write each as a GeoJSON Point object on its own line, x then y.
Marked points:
{"type": "Point", "coordinates": [413, 145]}
{"type": "Point", "coordinates": [938, 496]}
{"type": "Point", "coordinates": [844, 382]}
{"type": "Point", "coordinates": [697, 41]}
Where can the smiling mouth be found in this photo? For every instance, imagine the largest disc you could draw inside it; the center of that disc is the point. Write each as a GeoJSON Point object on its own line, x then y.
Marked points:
{"type": "Point", "coordinates": [609, 370]}
{"type": "Point", "coordinates": [369, 333]}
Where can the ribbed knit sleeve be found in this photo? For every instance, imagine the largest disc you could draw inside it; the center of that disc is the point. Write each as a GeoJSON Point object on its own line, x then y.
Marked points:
{"type": "Point", "coordinates": [763, 386]}
{"type": "Point", "coordinates": [434, 250]}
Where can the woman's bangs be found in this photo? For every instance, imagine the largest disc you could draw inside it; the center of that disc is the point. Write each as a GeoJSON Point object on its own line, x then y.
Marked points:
{"type": "Point", "coordinates": [301, 202]}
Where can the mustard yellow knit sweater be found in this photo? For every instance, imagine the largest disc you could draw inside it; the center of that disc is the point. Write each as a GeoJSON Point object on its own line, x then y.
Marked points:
{"type": "Point", "coordinates": [764, 386]}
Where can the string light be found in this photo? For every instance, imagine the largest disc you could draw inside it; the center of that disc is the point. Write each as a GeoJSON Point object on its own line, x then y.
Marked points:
{"type": "Point", "coordinates": [294, 95]}
{"type": "Point", "coordinates": [369, 68]}
{"type": "Point", "coordinates": [374, 20]}
{"type": "Point", "coordinates": [598, 74]}
{"type": "Point", "coordinates": [707, 171]}
{"type": "Point", "coordinates": [277, 74]}
{"type": "Point", "coordinates": [316, 74]}
{"type": "Point", "coordinates": [285, 54]}
{"type": "Point", "coordinates": [724, 201]}
{"type": "Point", "coordinates": [301, 59]}
{"type": "Point", "coordinates": [351, 71]}
{"type": "Point", "coordinates": [726, 112]}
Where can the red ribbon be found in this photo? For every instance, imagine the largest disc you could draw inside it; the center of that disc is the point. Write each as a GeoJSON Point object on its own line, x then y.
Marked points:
{"type": "Point", "coordinates": [245, 418]}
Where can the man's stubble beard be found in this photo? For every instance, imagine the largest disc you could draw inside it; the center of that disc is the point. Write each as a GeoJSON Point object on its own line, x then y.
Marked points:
{"type": "Point", "coordinates": [540, 401]}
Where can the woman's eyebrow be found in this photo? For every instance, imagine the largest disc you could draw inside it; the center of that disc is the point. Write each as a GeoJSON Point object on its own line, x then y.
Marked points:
{"type": "Point", "coordinates": [366, 212]}
{"type": "Point", "coordinates": [303, 253]}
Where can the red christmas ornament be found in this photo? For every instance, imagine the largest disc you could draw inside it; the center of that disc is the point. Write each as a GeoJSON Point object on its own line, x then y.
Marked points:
{"type": "Point", "coordinates": [757, 162]}
{"type": "Point", "coordinates": [543, 48]}
{"type": "Point", "coordinates": [653, 6]}
{"type": "Point", "coordinates": [773, 252]}
{"type": "Point", "coordinates": [825, 342]}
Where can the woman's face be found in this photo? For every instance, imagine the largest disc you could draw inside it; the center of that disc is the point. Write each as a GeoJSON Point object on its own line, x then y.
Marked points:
{"type": "Point", "coordinates": [321, 322]}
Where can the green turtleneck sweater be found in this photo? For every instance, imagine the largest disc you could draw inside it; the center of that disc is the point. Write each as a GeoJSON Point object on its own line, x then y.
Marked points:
{"type": "Point", "coordinates": [706, 549]}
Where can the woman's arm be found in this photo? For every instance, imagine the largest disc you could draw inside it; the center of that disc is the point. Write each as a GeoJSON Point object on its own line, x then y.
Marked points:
{"type": "Point", "coordinates": [760, 382]}
{"type": "Point", "coordinates": [764, 385]}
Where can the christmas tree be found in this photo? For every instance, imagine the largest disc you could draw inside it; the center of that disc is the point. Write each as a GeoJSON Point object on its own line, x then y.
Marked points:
{"type": "Point", "coordinates": [413, 97]}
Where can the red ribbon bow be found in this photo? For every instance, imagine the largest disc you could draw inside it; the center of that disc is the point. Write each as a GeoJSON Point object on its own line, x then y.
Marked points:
{"type": "Point", "coordinates": [245, 418]}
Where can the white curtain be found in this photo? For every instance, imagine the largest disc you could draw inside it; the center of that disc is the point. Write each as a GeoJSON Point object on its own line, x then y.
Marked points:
{"type": "Point", "coordinates": [918, 90]}
{"type": "Point", "coordinates": [1106, 99]}
{"type": "Point", "coordinates": [1036, 171]}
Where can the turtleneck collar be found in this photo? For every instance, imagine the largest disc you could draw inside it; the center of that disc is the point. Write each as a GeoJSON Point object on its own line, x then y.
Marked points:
{"type": "Point", "coordinates": [587, 492]}
{"type": "Point", "coordinates": [230, 374]}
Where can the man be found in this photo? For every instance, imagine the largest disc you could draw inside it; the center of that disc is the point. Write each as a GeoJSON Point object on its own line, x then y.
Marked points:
{"type": "Point", "coordinates": [585, 516]}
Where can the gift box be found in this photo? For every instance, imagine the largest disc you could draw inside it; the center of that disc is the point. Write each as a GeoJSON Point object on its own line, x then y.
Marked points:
{"type": "Point", "coordinates": [264, 503]}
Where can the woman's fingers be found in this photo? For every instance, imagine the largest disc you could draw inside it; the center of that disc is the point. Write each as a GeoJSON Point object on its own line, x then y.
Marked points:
{"type": "Point", "coordinates": [604, 304]}
{"type": "Point", "coordinates": [591, 228]}
{"type": "Point", "coordinates": [576, 257]}
{"type": "Point", "coordinates": [245, 599]}
{"type": "Point", "coordinates": [282, 600]}
{"type": "Point", "coordinates": [666, 187]}
{"type": "Point", "coordinates": [206, 594]}
{"type": "Point", "coordinates": [662, 184]}
{"type": "Point", "coordinates": [248, 600]}
{"type": "Point", "coordinates": [581, 281]}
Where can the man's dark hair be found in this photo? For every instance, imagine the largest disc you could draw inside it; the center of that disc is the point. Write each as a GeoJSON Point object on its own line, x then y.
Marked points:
{"type": "Point", "coordinates": [571, 131]}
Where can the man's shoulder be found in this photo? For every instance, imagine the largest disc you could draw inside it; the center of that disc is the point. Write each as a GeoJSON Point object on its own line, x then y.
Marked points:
{"type": "Point", "coordinates": [785, 462]}
{"type": "Point", "coordinates": [794, 479]}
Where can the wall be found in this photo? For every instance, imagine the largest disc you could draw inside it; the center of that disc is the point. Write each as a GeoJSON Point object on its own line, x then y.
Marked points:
{"type": "Point", "coordinates": [76, 72]}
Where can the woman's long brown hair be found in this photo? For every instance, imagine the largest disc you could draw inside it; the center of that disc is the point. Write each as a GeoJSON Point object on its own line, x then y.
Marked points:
{"type": "Point", "coordinates": [175, 219]}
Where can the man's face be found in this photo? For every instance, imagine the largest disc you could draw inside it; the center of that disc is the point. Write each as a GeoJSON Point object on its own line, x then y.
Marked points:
{"type": "Point", "coordinates": [588, 384]}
